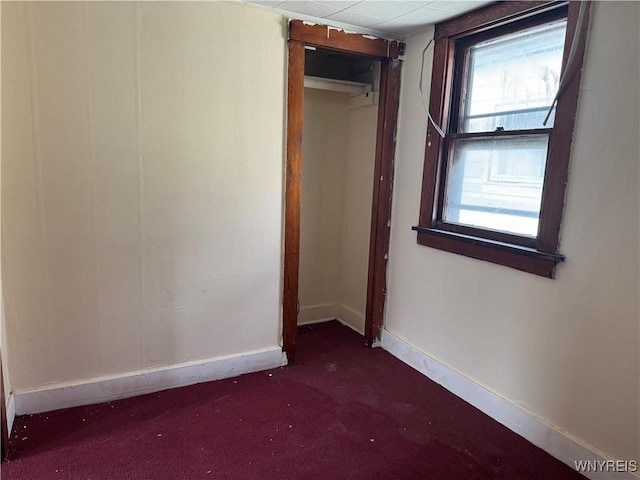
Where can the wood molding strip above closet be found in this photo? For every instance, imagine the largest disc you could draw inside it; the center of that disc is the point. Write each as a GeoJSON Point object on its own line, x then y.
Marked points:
{"type": "Point", "coordinates": [336, 39]}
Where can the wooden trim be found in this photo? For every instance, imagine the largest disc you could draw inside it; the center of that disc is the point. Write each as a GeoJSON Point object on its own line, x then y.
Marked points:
{"type": "Point", "coordinates": [442, 66]}
{"type": "Point", "coordinates": [382, 195]}
{"type": "Point", "coordinates": [339, 40]}
{"type": "Point", "coordinates": [500, 133]}
{"type": "Point", "coordinates": [491, 16]}
{"type": "Point", "coordinates": [4, 432]}
{"type": "Point", "coordinates": [521, 258]}
{"type": "Point", "coordinates": [560, 140]}
{"type": "Point", "coordinates": [295, 103]}
{"type": "Point", "coordinates": [377, 187]}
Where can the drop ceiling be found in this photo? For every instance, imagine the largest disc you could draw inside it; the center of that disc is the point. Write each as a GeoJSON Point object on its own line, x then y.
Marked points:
{"type": "Point", "coordinates": [387, 18]}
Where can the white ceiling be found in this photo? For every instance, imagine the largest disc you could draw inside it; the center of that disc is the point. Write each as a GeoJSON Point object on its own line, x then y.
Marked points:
{"type": "Point", "coordinates": [388, 18]}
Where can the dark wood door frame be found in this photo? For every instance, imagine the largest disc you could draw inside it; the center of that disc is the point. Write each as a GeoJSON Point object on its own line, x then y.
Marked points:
{"type": "Point", "coordinates": [387, 51]}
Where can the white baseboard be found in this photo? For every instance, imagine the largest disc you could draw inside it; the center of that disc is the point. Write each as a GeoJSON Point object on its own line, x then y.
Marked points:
{"type": "Point", "coordinates": [103, 389]}
{"type": "Point", "coordinates": [349, 317]}
{"type": "Point", "coordinates": [544, 435]}
{"type": "Point", "coordinates": [317, 314]}
{"type": "Point", "coordinates": [334, 311]}
{"type": "Point", "coordinates": [11, 413]}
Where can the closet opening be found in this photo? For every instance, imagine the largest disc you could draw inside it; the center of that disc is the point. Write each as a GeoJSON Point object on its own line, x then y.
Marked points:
{"type": "Point", "coordinates": [338, 153]}
{"type": "Point", "coordinates": [343, 94]}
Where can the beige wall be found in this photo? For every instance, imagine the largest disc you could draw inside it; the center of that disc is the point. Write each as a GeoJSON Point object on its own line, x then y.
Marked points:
{"type": "Point", "coordinates": [142, 184]}
{"type": "Point", "coordinates": [564, 349]}
{"type": "Point", "coordinates": [356, 222]}
{"type": "Point", "coordinates": [337, 181]}
{"type": "Point", "coordinates": [324, 152]}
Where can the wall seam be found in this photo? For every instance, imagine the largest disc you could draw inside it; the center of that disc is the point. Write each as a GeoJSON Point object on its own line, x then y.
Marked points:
{"type": "Point", "coordinates": [37, 153]}
{"type": "Point", "coordinates": [94, 188]}
{"type": "Point", "coordinates": [142, 252]}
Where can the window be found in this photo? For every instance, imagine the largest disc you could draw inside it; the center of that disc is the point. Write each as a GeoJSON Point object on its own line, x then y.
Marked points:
{"type": "Point", "coordinates": [493, 186]}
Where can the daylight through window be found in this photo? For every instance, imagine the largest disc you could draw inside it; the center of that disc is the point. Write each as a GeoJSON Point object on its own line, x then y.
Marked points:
{"type": "Point", "coordinates": [494, 185]}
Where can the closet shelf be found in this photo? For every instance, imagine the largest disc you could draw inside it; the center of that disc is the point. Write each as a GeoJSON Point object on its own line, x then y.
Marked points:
{"type": "Point", "coordinates": [322, 83]}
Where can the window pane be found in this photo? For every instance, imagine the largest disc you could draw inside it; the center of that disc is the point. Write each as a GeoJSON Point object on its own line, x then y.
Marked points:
{"type": "Point", "coordinates": [496, 183]}
{"type": "Point", "coordinates": [512, 80]}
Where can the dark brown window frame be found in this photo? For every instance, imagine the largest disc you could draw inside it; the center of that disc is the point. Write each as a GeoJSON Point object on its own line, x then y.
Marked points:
{"type": "Point", "coordinates": [537, 255]}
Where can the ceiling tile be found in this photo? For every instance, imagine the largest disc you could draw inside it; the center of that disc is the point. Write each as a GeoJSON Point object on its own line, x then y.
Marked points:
{"type": "Point", "coordinates": [347, 16]}
{"type": "Point", "coordinates": [267, 3]}
{"type": "Point", "coordinates": [313, 9]}
{"type": "Point", "coordinates": [422, 16]}
{"type": "Point", "coordinates": [341, 4]}
{"type": "Point", "coordinates": [395, 18]}
{"type": "Point", "coordinates": [386, 10]}
{"type": "Point", "coordinates": [457, 6]}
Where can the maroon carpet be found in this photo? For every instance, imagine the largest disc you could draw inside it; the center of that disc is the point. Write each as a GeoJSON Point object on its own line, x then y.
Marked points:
{"type": "Point", "coordinates": [344, 412]}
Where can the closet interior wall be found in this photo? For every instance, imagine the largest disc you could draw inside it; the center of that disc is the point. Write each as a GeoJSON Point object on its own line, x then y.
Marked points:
{"type": "Point", "coordinates": [338, 151]}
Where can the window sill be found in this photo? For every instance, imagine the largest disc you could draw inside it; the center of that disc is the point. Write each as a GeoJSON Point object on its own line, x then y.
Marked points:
{"type": "Point", "coordinates": [515, 256]}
